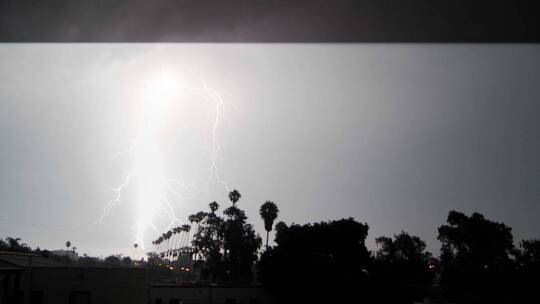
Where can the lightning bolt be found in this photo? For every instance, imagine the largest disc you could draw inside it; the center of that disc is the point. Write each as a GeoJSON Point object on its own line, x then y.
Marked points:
{"type": "Point", "coordinates": [155, 190]}
{"type": "Point", "coordinates": [118, 198]}
{"type": "Point", "coordinates": [215, 144]}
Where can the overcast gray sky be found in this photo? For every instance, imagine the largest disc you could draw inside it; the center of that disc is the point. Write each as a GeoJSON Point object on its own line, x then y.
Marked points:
{"type": "Point", "coordinates": [392, 135]}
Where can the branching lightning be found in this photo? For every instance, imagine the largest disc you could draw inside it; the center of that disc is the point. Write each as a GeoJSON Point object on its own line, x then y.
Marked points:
{"type": "Point", "coordinates": [154, 189]}
{"type": "Point", "coordinates": [215, 144]}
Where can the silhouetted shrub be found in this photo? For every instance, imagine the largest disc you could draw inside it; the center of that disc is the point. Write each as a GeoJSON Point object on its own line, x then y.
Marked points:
{"type": "Point", "coordinates": [400, 270]}
{"type": "Point", "coordinates": [321, 262]}
{"type": "Point", "coordinates": [476, 259]}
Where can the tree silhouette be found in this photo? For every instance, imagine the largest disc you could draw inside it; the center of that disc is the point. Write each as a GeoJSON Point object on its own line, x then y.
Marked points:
{"type": "Point", "coordinates": [127, 261]}
{"type": "Point", "coordinates": [196, 219]}
{"type": "Point", "coordinates": [86, 260]}
{"type": "Point", "coordinates": [208, 242]}
{"type": "Point", "coordinates": [268, 212]}
{"type": "Point", "coordinates": [402, 247]}
{"type": "Point", "coordinates": [240, 244]}
{"type": "Point", "coordinates": [214, 206]}
{"type": "Point", "coordinates": [113, 261]}
{"type": "Point", "coordinates": [13, 244]}
{"type": "Point", "coordinates": [529, 253]}
{"type": "Point", "coordinates": [234, 196]}
{"type": "Point", "coordinates": [475, 257]}
{"type": "Point", "coordinates": [168, 236]}
{"type": "Point", "coordinates": [329, 262]}
{"type": "Point", "coordinates": [226, 245]}
{"type": "Point", "coordinates": [324, 261]}
{"type": "Point", "coordinates": [281, 226]}
{"type": "Point", "coordinates": [3, 245]}
{"type": "Point", "coordinates": [527, 270]}
{"type": "Point", "coordinates": [401, 265]}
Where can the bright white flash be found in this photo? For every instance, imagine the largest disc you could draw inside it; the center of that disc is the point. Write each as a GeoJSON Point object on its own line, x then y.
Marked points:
{"type": "Point", "coordinates": [154, 189]}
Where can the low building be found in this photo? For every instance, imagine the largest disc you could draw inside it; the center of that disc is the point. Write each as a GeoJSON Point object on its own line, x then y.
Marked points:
{"type": "Point", "coordinates": [28, 278]}
{"type": "Point", "coordinates": [161, 293]}
{"type": "Point", "coordinates": [37, 279]}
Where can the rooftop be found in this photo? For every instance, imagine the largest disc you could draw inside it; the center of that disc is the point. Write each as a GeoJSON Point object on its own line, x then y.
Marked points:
{"type": "Point", "coordinates": [16, 259]}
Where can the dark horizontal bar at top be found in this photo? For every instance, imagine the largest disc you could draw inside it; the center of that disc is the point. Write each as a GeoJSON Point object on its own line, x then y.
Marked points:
{"type": "Point", "coordinates": [269, 21]}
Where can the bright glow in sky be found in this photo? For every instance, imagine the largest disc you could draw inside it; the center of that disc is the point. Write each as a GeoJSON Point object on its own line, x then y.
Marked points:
{"type": "Point", "coordinates": [151, 181]}
{"type": "Point", "coordinates": [159, 95]}
{"type": "Point", "coordinates": [393, 135]}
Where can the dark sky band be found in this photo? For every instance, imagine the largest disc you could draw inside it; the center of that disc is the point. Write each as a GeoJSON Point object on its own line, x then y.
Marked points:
{"type": "Point", "coordinates": [345, 21]}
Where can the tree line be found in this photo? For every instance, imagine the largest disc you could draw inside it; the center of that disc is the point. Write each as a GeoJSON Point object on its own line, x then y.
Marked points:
{"type": "Point", "coordinates": [328, 261]}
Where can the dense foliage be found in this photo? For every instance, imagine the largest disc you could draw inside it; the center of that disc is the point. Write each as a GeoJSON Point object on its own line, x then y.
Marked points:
{"type": "Point", "coordinates": [329, 261]}
{"type": "Point", "coordinates": [312, 261]}
{"type": "Point", "coordinates": [476, 258]}
{"type": "Point", "coordinates": [227, 245]}
{"type": "Point", "coordinates": [401, 266]}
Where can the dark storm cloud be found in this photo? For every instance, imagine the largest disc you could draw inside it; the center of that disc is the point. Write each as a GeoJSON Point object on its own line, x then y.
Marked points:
{"type": "Point", "coordinates": [268, 21]}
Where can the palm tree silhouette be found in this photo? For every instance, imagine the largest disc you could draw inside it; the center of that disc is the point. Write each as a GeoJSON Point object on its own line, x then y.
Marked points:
{"type": "Point", "coordinates": [168, 236]}
{"type": "Point", "coordinates": [186, 228]}
{"type": "Point", "coordinates": [268, 212]}
{"type": "Point", "coordinates": [234, 196]}
{"type": "Point", "coordinates": [214, 205]}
